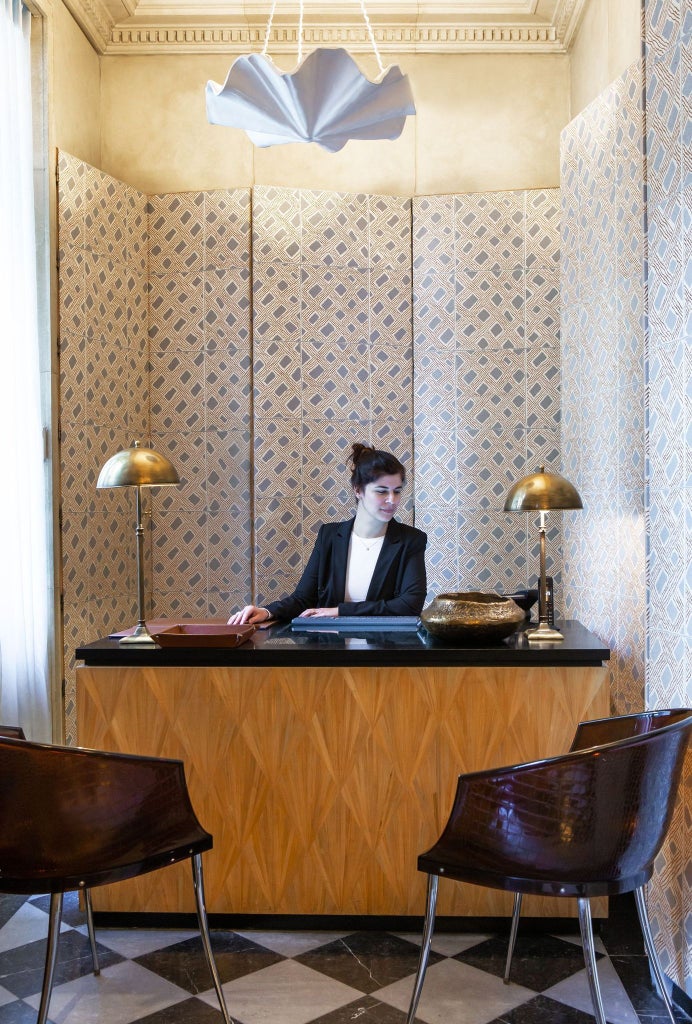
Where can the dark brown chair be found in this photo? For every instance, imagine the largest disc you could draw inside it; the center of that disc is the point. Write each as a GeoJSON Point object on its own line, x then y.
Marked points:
{"type": "Point", "coordinates": [587, 823]}
{"type": "Point", "coordinates": [73, 819]}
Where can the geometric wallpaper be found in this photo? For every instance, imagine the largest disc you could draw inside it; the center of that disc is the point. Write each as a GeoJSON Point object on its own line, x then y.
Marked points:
{"type": "Point", "coordinates": [603, 386]}
{"type": "Point", "coordinates": [668, 71]}
{"type": "Point", "coordinates": [332, 361]}
{"type": "Point", "coordinates": [252, 337]}
{"type": "Point", "coordinates": [486, 276]}
{"type": "Point", "coordinates": [626, 331]}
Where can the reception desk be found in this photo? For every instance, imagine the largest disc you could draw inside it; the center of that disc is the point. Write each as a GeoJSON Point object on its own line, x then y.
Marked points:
{"type": "Point", "coordinates": [323, 763]}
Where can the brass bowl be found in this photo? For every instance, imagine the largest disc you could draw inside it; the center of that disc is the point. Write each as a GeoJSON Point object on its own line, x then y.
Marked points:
{"type": "Point", "coordinates": [470, 616]}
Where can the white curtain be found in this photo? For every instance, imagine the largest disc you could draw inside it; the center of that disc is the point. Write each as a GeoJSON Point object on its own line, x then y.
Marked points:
{"type": "Point", "coordinates": [24, 698]}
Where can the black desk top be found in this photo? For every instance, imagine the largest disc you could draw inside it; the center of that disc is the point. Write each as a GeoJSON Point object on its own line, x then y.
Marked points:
{"type": "Point", "coordinates": [280, 646]}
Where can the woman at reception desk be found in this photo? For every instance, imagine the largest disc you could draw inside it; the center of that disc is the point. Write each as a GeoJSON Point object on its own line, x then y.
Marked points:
{"type": "Point", "coordinates": [368, 565]}
{"type": "Point", "coordinates": [323, 761]}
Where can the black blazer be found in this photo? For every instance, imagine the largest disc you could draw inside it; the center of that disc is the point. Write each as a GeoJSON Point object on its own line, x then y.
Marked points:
{"type": "Point", "coordinates": [398, 584]}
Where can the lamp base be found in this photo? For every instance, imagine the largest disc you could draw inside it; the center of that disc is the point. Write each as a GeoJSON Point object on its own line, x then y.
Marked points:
{"type": "Point", "coordinates": [141, 636]}
{"type": "Point", "coordinates": [544, 634]}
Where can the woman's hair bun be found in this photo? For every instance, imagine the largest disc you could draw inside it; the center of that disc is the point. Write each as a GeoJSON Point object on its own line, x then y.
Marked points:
{"type": "Point", "coordinates": [368, 464]}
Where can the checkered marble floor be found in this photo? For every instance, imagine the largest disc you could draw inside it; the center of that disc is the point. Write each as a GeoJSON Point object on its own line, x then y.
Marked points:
{"type": "Point", "coordinates": [302, 977]}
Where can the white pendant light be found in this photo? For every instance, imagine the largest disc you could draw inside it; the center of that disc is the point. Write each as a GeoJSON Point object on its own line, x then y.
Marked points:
{"type": "Point", "coordinates": [326, 99]}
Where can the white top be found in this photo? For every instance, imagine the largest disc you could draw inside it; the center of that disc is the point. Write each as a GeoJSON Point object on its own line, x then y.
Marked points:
{"type": "Point", "coordinates": [363, 553]}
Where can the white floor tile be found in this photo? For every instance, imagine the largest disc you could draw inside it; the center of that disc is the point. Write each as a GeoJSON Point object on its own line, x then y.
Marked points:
{"type": "Point", "coordinates": [575, 992]}
{"type": "Point", "coordinates": [292, 943]}
{"type": "Point", "coordinates": [447, 943]}
{"type": "Point", "coordinates": [285, 993]}
{"type": "Point", "coordinates": [29, 924]}
{"type": "Point", "coordinates": [5, 996]}
{"type": "Point", "coordinates": [120, 994]}
{"type": "Point", "coordinates": [576, 941]}
{"type": "Point", "coordinates": [131, 942]}
{"type": "Point", "coordinates": [456, 992]}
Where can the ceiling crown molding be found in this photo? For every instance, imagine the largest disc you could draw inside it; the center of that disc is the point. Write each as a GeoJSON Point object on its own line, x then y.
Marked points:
{"type": "Point", "coordinates": [128, 27]}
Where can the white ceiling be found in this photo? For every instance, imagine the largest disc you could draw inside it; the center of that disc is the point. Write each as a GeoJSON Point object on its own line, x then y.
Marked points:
{"type": "Point", "coordinates": [419, 26]}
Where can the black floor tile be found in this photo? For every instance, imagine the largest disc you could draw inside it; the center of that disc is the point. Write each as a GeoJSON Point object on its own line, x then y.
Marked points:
{"type": "Point", "coordinates": [72, 913]}
{"type": "Point", "coordinates": [366, 961]}
{"type": "Point", "coordinates": [20, 1013]}
{"type": "Point", "coordinates": [363, 1011]}
{"type": "Point", "coordinates": [543, 1010]}
{"type": "Point", "coordinates": [185, 965]}
{"type": "Point", "coordinates": [190, 1011]}
{"type": "Point", "coordinates": [635, 976]}
{"type": "Point", "coordinates": [538, 963]}
{"type": "Point", "coordinates": [9, 905]}
{"type": "Point", "coordinates": [21, 969]}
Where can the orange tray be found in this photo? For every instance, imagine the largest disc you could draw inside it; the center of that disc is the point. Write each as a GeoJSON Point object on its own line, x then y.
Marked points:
{"type": "Point", "coordinates": [201, 634]}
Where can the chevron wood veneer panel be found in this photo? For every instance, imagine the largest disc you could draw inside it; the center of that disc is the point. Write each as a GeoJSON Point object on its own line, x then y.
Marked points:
{"type": "Point", "coordinates": [322, 785]}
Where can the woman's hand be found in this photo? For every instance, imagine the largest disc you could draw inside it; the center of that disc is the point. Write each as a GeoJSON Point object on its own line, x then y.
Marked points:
{"type": "Point", "coordinates": [250, 614]}
{"type": "Point", "coordinates": [331, 613]}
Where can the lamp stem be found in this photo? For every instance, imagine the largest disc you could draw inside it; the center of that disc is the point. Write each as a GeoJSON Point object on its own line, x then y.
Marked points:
{"type": "Point", "coordinates": [543, 632]}
{"type": "Point", "coordinates": [141, 634]}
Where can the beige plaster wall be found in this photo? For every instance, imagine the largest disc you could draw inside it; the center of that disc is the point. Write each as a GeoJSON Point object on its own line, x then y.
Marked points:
{"type": "Point", "coordinates": [607, 42]}
{"type": "Point", "coordinates": [484, 122]}
{"type": "Point", "coordinates": [74, 87]}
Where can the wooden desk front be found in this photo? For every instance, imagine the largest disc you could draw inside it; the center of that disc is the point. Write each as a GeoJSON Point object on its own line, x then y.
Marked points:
{"type": "Point", "coordinates": [321, 783]}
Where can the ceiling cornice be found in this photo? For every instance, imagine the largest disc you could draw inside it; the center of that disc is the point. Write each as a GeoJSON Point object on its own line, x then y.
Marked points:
{"type": "Point", "coordinates": [123, 27]}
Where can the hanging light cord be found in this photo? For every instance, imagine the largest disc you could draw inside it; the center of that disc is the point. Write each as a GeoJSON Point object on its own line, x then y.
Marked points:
{"type": "Point", "coordinates": [300, 34]}
{"type": "Point", "coordinates": [366, 19]}
{"type": "Point", "coordinates": [268, 29]}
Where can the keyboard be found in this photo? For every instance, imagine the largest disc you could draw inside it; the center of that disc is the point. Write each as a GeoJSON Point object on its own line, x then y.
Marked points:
{"type": "Point", "coordinates": [382, 622]}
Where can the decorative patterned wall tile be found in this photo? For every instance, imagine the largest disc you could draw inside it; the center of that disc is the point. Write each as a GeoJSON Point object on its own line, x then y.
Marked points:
{"type": "Point", "coordinates": [276, 304]}
{"type": "Point", "coordinates": [391, 383]}
{"type": "Point", "coordinates": [228, 554]}
{"type": "Point", "coordinates": [72, 377]}
{"type": "Point", "coordinates": [227, 228]}
{"type": "Point", "coordinates": [543, 386]}
{"type": "Point", "coordinates": [490, 310]}
{"type": "Point", "coordinates": [105, 299]}
{"type": "Point", "coordinates": [179, 552]}
{"type": "Point", "coordinates": [176, 233]}
{"type": "Point", "coordinates": [664, 152]}
{"type": "Point", "coordinates": [665, 254]}
{"type": "Point", "coordinates": [110, 556]}
{"type": "Point", "coordinates": [390, 232]}
{"type": "Point", "coordinates": [105, 215]}
{"type": "Point", "coordinates": [390, 308]}
{"type": "Point", "coordinates": [335, 306]}
{"type": "Point", "coordinates": [334, 229]}
{"type": "Point", "coordinates": [228, 470]}
{"type": "Point", "coordinates": [71, 183]}
{"type": "Point", "coordinates": [227, 308]}
{"type": "Point", "coordinates": [489, 463]}
{"type": "Point", "coordinates": [187, 452]}
{"type": "Point", "coordinates": [177, 391]}
{"type": "Point", "coordinates": [435, 389]}
{"type": "Point", "coordinates": [276, 225]}
{"type": "Point", "coordinates": [176, 312]}
{"type": "Point", "coordinates": [277, 375]}
{"type": "Point", "coordinates": [491, 388]}
{"type": "Point", "coordinates": [71, 289]}
{"type": "Point", "coordinates": [490, 231]}
{"type": "Point", "coordinates": [227, 387]}
{"type": "Point", "coordinates": [276, 460]}
{"type": "Point", "coordinates": [543, 217]}
{"type": "Point", "coordinates": [106, 379]}
{"type": "Point", "coordinates": [335, 380]}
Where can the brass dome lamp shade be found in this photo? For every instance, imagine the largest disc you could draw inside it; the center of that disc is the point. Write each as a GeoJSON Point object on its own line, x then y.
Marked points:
{"type": "Point", "coordinates": [138, 467]}
{"type": "Point", "coordinates": [542, 492]}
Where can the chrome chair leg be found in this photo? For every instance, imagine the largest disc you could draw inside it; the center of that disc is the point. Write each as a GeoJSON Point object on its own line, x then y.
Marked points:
{"type": "Point", "coordinates": [198, 880]}
{"type": "Point", "coordinates": [425, 947]}
{"type": "Point", "coordinates": [586, 929]}
{"type": "Point", "coordinates": [651, 950]}
{"type": "Point", "coordinates": [90, 929]}
{"type": "Point", "coordinates": [54, 919]}
{"type": "Point", "coordinates": [512, 935]}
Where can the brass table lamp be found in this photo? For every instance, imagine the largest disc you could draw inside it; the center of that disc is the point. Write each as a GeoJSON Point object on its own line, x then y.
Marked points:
{"type": "Point", "coordinates": [138, 467]}
{"type": "Point", "coordinates": [542, 492]}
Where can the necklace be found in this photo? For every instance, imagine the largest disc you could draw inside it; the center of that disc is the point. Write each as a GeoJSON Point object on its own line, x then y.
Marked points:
{"type": "Point", "coordinates": [374, 541]}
